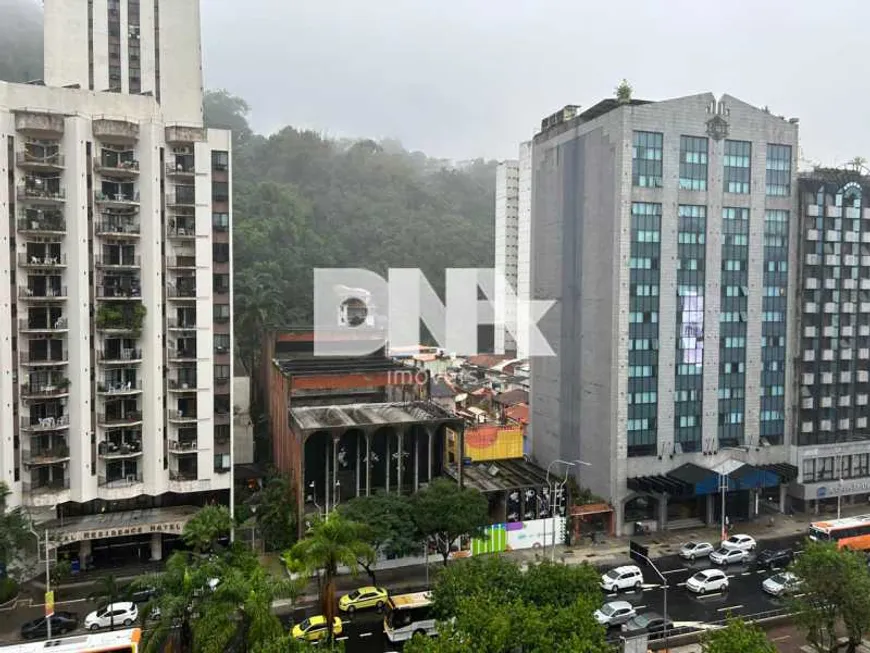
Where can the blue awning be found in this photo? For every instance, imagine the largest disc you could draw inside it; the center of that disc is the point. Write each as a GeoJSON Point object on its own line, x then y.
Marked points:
{"type": "Point", "coordinates": [693, 480]}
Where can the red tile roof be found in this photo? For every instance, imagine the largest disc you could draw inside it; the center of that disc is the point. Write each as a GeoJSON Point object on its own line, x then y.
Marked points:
{"type": "Point", "coordinates": [487, 360]}
{"type": "Point", "coordinates": [518, 413]}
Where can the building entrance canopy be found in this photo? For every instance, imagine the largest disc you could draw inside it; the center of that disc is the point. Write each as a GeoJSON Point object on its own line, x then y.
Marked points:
{"type": "Point", "coordinates": [120, 524]}
{"type": "Point", "coordinates": [694, 480]}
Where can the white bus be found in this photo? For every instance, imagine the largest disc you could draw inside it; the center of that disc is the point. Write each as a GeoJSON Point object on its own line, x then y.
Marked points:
{"type": "Point", "coordinates": [408, 614]}
{"type": "Point", "coordinates": [118, 641]}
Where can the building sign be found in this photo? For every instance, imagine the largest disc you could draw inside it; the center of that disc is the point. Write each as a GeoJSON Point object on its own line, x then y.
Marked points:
{"type": "Point", "coordinates": [834, 489]}
{"type": "Point", "coordinates": [174, 527]}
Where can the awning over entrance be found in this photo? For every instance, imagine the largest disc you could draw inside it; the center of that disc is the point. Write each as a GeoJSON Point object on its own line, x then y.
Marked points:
{"type": "Point", "coordinates": [693, 480]}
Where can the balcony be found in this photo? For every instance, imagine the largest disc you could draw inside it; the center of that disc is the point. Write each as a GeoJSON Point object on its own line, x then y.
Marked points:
{"type": "Point", "coordinates": [34, 359]}
{"type": "Point", "coordinates": [110, 292]}
{"type": "Point", "coordinates": [121, 318]}
{"type": "Point", "coordinates": [181, 416]}
{"type": "Point", "coordinates": [116, 482]}
{"type": "Point", "coordinates": [26, 260]}
{"type": "Point", "coordinates": [44, 424]}
{"type": "Point", "coordinates": [111, 357]}
{"type": "Point", "coordinates": [45, 493]}
{"type": "Point", "coordinates": [183, 293]}
{"type": "Point", "coordinates": [182, 384]}
{"type": "Point", "coordinates": [56, 293]}
{"type": "Point", "coordinates": [45, 456]}
{"type": "Point", "coordinates": [38, 222]}
{"type": "Point", "coordinates": [182, 232]}
{"type": "Point", "coordinates": [114, 387]}
{"type": "Point", "coordinates": [177, 356]}
{"type": "Point", "coordinates": [51, 389]}
{"type": "Point", "coordinates": [173, 323]}
{"type": "Point", "coordinates": [118, 262]}
{"type": "Point", "coordinates": [109, 449]}
{"type": "Point", "coordinates": [118, 420]}
{"type": "Point", "coordinates": [181, 263]}
{"type": "Point", "coordinates": [182, 446]}
{"type": "Point", "coordinates": [184, 134]}
{"type": "Point", "coordinates": [115, 131]}
{"type": "Point", "coordinates": [127, 169]}
{"type": "Point", "coordinates": [221, 419]}
{"type": "Point", "coordinates": [51, 162]}
{"type": "Point", "coordinates": [116, 200]}
{"type": "Point", "coordinates": [39, 124]}
{"type": "Point", "coordinates": [181, 200]}
{"type": "Point", "coordinates": [46, 325]}
{"type": "Point", "coordinates": [117, 228]}
{"type": "Point", "coordinates": [181, 170]}
{"type": "Point", "coordinates": [27, 193]}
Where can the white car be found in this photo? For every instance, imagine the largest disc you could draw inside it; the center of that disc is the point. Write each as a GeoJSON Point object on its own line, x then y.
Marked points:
{"type": "Point", "coordinates": [782, 583]}
{"type": "Point", "coordinates": [692, 550]}
{"type": "Point", "coordinates": [740, 542]}
{"type": "Point", "coordinates": [709, 580]}
{"type": "Point", "coordinates": [615, 613]}
{"type": "Point", "coordinates": [622, 578]}
{"type": "Point", "coordinates": [124, 613]}
{"type": "Point", "coordinates": [722, 556]}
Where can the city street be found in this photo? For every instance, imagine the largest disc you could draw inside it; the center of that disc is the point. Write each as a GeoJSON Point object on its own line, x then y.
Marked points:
{"type": "Point", "coordinates": [363, 632]}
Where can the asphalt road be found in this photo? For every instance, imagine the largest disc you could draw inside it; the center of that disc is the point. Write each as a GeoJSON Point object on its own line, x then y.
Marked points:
{"type": "Point", "coordinates": [363, 632]}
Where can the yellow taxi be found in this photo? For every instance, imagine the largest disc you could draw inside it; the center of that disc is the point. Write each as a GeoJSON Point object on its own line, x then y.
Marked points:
{"type": "Point", "coordinates": [362, 598]}
{"type": "Point", "coordinates": [313, 629]}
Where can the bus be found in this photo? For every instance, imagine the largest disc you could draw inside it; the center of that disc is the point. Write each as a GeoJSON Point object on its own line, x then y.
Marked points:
{"type": "Point", "coordinates": [849, 533]}
{"type": "Point", "coordinates": [408, 614]}
{"type": "Point", "coordinates": [118, 641]}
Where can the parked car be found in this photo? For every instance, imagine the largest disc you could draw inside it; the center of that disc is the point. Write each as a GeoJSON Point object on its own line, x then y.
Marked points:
{"type": "Point", "coordinates": [143, 595]}
{"type": "Point", "coordinates": [709, 580]}
{"type": "Point", "coordinates": [650, 622]}
{"type": "Point", "coordinates": [123, 613]}
{"type": "Point", "coordinates": [781, 584]}
{"type": "Point", "coordinates": [615, 613]}
{"type": "Point", "coordinates": [741, 542]}
{"type": "Point", "coordinates": [364, 597]}
{"type": "Point", "coordinates": [61, 622]}
{"type": "Point", "coordinates": [313, 629]}
{"type": "Point", "coordinates": [692, 550]}
{"type": "Point", "coordinates": [622, 578]}
{"type": "Point", "coordinates": [723, 556]}
{"type": "Point", "coordinates": [774, 559]}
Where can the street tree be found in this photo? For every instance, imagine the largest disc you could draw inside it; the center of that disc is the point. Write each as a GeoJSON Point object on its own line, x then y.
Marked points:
{"type": "Point", "coordinates": [737, 637]}
{"type": "Point", "coordinates": [444, 512]}
{"type": "Point", "coordinates": [391, 530]}
{"type": "Point", "coordinates": [474, 576]}
{"type": "Point", "coordinates": [15, 535]}
{"type": "Point", "coordinates": [835, 591]}
{"type": "Point", "coordinates": [330, 543]}
{"type": "Point", "coordinates": [276, 513]}
{"type": "Point", "coordinates": [107, 591]}
{"type": "Point", "coordinates": [206, 527]}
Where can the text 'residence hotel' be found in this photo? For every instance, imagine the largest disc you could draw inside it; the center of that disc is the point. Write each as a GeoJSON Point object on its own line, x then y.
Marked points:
{"type": "Point", "coordinates": [116, 388]}
{"type": "Point", "coordinates": [664, 230]}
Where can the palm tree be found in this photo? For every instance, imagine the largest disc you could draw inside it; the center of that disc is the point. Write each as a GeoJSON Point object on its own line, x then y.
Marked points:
{"type": "Point", "coordinates": [206, 527]}
{"type": "Point", "coordinates": [108, 592]}
{"type": "Point", "coordinates": [174, 604]}
{"type": "Point", "coordinates": [329, 544]}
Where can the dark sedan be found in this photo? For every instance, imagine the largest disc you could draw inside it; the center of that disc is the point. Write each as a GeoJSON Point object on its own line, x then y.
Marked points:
{"type": "Point", "coordinates": [774, 559]}
{"type": "Point", "coordinates": [61, 622]}
{"type": "Point", "coordinates": [651, 623]}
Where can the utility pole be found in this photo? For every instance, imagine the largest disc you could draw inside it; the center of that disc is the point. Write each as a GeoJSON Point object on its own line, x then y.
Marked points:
{"type": "Point", "coordinates": [723, 488]}
{"type": "Point", "coordinates": [640, 553]}
{"type": "Point", "coordinates": [49, 598]}
{"type": "Point", "coordinates": [840, 484]}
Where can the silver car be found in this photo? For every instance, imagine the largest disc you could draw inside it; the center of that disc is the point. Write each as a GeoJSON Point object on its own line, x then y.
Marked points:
{"type": "Point", "coordinates": [780, 584]}
{"type": "Point", "coordinates": [692, 550]}
{"type": "Point", "coordinates": [728, 556]}
{"type": "Point", "coordinates": [615, 613]}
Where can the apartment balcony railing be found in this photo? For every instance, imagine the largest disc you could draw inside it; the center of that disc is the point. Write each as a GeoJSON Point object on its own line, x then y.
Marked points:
{"type": "Point", "coordinates": [32, 161]}
{"type": "Point", "coordinates": [119, 200]}
{"type": "Point", "coordinates": [117, 229]}
{"type": "Point", "coordinates": [127, 480]}
{"type": "Point", "coordinates": [221, 319]}
{"type": "Point", "coordinates": [178, 475]}
{"type": "Point", "coordinates": [40, 223]}
{"type": "Point", "coordinates": [58, 388]}
{"type": "Point", "coordinates": [182, 355]}
{"type": "Point", "coordinates": [182, 416]}
{"type": "Point", "coordinates": [49, 487]}
{"type": "Point", "coordinates": [110, 449]}
{"type": "Point", "coordinates": [110, 420]}
{"type": "Point", "coordinates": [182, 293]}
{"type": "Point", "coordinates": [125, 169]}
{"type": "Point", "coordinates": [183, 325]}
{"type": "Point", "coordinates": [44, 424]}
{"type": "Point", "coordinates": [120, 356]}
{"type": "Point", "coordinates": [44, 196]}
{"type": "Point", "coordinates": [180, 170]}
{"type": "Point", "coordinates": [182, 232]}
{"type": "Point", "coordinates": [222, 418]}
{"type": "Point", "coordinates": [26, 260]}
{"type": "Point", "coordinates": [26, 325]}
{"type": "Point", "coordinates": [180, 199]}
{"type": "Point", "coordinates": [47, 456]}
{"type": "Point", "coordinates": [32, 358]}
{"type": "Point", "coordinates": [113, 387]}
{"type": "Point", "coordinates": [182, 446]}
{"type": "Point", "coordinates": [115, 292]}
{"type": "Point", "coordinates": [184, 384]}
{"type": "Point", "coordinates": [119, 262]}
{"type": "Point", "coordinates": [53, 293]}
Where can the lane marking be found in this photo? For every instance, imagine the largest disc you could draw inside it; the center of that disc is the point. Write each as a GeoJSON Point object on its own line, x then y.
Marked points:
{"type": "Point", "coordinates": [748, 573]}
{"type": "Point", "coordinates": [366, 634]}
{"type": "Point", "coordinates": [675, 571]}
{"type": "Point", "coordinates": [639, 607]}
{"type": "Point", "coordinates": [781, 638]}
{"type": "Point", "coordinates": [341, 639]}
{"type": "Point", "coordinates": [733, 607]}
{"type": "Point", "coordinates": [710, 595]}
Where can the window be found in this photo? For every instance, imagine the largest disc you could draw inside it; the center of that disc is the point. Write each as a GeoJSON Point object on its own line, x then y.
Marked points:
{"type": "Point", "coordinates": [693, 163]}
{"type": "Point", "coordinates": [642, 398]}
{"type": "Point", "coordinates": [221, 283]}
{"type": "Point", "coordinates": [222, 372]}
{"type": "Point", "coordinates": [221, 312]}
{"type": "Point", "coordinates": [646, 164]}
{"type": "Point", "coordinates": [643, 317]}
{"type": "Point", "coordinates": [778, 169]}
{"type": "Point", "coordinates": [738, 156]}
{"type": "Point", "coordinates": [220, 191]}
{"type": "Point", "coordinates": [222, 343]}
{"type": "Point", "coordinates": [220, 221]}
{"type": "Point", "coordinates": [644, 290]}
{"type": "Point", "coordinates": [220, 160]}
{"type": "Point", "coordinates": [690, 369]}
{"type": "Point", "coordinates": [222, 462]}
{"type": "Point", "coordinates": [220, 252]}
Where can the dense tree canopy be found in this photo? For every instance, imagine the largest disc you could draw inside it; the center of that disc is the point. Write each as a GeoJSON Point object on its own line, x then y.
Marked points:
{"type": "Point", "coordinates": [443, 512]}
{"type": "Point", "coordinates": [737, 637]}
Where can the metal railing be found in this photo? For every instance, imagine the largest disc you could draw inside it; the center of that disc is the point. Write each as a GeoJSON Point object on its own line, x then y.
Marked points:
{"type": "Point", "coordinates": [108, 419]}
{"type": "Point", "coordinates": [111, 449]}
{"type": "Point", "coordinates": [175, 292]}
{"type": "Point", "coordinates": [117, 228]}
{"type": "Point", "coordinates": [180, 169]}
{"type": "Point", "coordinates": [29, 324]}
{"type": "Point", "coordinates": [119, 356]}
{"type": "Point", "coordinates": [120, 482]}
{"type": "Point", "coordinates": [42, 293]}
{"type": "Point", "coordinates": [113, 386]}
{"type": "Point", "coordinates": [32, 358]}
{"type": "Point", "coordinates": [131, 165]}
{"type": "Point", "coordinates": [46, 456]}
{"type": "Point", "coordinates": [181, 262]}
{"type": "Point", "coordinates": [181, 199]}
{"type": "Point", "coordinates": [180, 416]}
{"type": "Point", "coordinates": [182, 476]}
{"type": "Point", "coordinates": [183, 231]}
{"type": "Point", "coordinates": [57, 388]}
{"type": "Point", "coordinates": [120, 198]}
{"type": "Point", "coordinates": [30, 260]}
{"type": "Point", "coordinates": [41, 195]}
{"type": "Point", "coordinates": [185, 383]}
{"type": "Point", "coordinates": [182, 447]}
{"type": "Point", "coordinates": [182, 354]}
{"type": "Point", "coordinates": [55, 160]}
{"type": "Point", "coordinates": [119, 262]}
{"type": "Point", "coordinates": [114, 292]}
{"type": "Point", "coordinates": [46, 488]}
{"type": "Point", "coordinates": [175, 323]}
{"type": "Point", "coordinates": [42, 424]}
{"type": "Point", "coordinates": [42, 224]}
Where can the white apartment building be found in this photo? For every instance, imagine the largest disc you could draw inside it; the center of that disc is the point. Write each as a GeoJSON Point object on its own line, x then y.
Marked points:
{"type": "Point", "coordinates": [116, 393]}
{"type": "Point", "coordinates": [506, 216]}
{"type": "Point", "coordinates": [524, 232]}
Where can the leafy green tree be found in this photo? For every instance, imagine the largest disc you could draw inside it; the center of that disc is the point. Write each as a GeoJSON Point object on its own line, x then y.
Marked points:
{"type": "Point", "coordinates": [15, 536]}
{"type": "Point", "coordinates": [329, 544]}
{"type": "Point", "coordinates": [443, 512]}
{"type": "Point", "coordinates": [473, 576]}
{"type": "Point", "coordinates": [107, 591]}
{"type": "Point", "coordinates": [206, 527]}
{"type": "Point", "coordinates": [276, 513]}
{"type": "Point", "coordinates": [549, 583]}
{"type": "Point", "coordinates": [391, 528]}
{"type": "Point", "coordinates": [737, 637]}
{"type": "Point", "coordinates": [836, 589]}
{"type": "Point", "coordinates": [287, 644]}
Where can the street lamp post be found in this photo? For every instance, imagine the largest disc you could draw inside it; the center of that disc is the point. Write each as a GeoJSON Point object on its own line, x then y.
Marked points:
{"type": "Point", "coordinates": [840, 484]}
{"type": "Point", "coordinates": [664, 593]}
{"type": "Point", "coordinates": [554, 499]}
{"type": "Point", "coordinates": [314, 497]}
{"type": "Point", "coordinates": [337, 498]}
{"type": "Point", "coordinates": [723, 488]}
{"type": "Point", "coordinates": [47, 574]}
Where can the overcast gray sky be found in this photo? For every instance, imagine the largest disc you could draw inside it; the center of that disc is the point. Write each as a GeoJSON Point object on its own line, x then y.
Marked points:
{"type": "Point", "coordinates": [468, 78]}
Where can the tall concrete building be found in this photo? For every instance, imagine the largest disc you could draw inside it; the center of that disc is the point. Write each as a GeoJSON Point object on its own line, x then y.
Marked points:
{"type": "Point", "coordinates": [664, 230]}
{"type": "Point", "coordinates": [524, 232]}
{"type": "Point", "coordinates": [833, 358]}
{"type": "Point", "coordinates": [116, 397]}
{"type": "Point", "coordinates": [507, 180]}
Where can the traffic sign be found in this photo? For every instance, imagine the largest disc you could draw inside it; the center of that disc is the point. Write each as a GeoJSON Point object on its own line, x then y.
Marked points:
{"type": "Point", "coordinates": [49, 604]}
{"type": "Point", "coordinates": [638, 552]}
